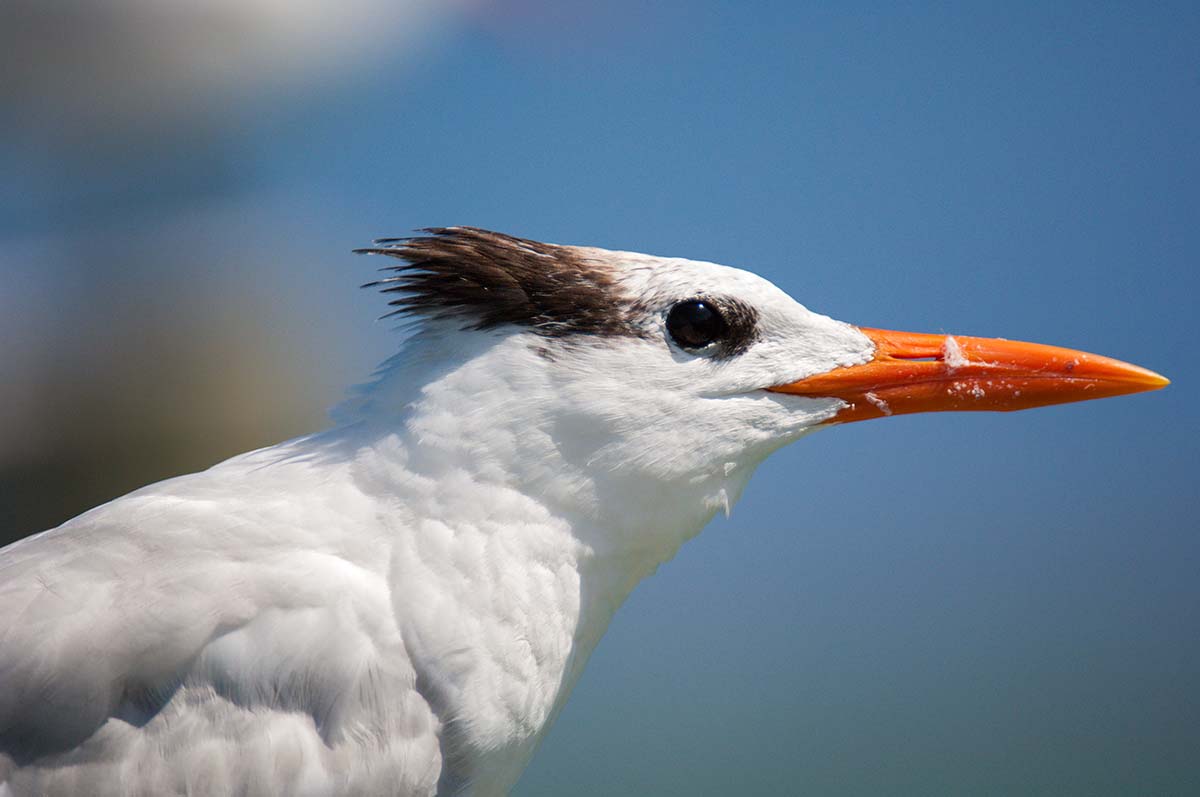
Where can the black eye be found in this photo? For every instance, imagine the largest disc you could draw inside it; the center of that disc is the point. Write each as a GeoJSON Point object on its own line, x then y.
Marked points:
{"type": "Point", "coordinates": [695, 323]}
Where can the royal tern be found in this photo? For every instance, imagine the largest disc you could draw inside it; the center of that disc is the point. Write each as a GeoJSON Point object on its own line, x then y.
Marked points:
{"type": "Point", "coordinates": [402, 604]}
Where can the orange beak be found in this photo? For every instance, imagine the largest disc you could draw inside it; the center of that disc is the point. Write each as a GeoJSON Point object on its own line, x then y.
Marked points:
{"type": "Point", "coordinates": [916, 372]}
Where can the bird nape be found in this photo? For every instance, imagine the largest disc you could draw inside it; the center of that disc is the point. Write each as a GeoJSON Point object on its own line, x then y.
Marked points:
{"type": "Point", "coordinates": [401, 604]}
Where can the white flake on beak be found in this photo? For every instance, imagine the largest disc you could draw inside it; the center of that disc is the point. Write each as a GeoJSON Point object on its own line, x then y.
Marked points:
{"type": "Point", "coordinates": [879, 403]}
{"type": "Point", "coordinates": [952, 354]}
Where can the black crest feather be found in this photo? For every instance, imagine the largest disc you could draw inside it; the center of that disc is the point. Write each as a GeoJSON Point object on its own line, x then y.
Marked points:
{"type": "Point", "coordinates": [490, 279]}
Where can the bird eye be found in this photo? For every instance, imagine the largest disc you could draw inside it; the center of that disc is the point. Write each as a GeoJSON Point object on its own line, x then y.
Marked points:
{"type": "Point", "coordinates": [695, 323]}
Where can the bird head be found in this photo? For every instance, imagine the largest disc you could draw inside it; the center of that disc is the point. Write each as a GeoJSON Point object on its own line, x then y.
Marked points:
{"type": "Point", "coordinates": [671, 372]}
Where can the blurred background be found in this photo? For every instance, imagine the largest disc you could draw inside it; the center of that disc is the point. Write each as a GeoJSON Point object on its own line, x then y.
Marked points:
{"type": "Point", "coordinates": [947, 604]}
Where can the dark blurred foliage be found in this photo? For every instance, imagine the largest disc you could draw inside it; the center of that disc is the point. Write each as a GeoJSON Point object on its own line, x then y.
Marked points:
{"type": "Point", "coordinates": [143, 338]}
{"type": "Point", "coordinates": [135, 377]}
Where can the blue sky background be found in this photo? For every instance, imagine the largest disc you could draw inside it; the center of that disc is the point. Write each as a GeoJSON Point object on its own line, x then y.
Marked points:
{"type": "Point", "coordinates": [933, 604]}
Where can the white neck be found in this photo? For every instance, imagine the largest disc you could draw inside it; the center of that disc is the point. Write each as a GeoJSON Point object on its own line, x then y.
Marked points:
{"type": "Point", "coordinates": [511, 549]}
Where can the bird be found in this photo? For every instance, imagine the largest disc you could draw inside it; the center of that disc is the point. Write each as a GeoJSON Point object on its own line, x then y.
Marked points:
{"type": "Point", "coordinates": [402, 603]}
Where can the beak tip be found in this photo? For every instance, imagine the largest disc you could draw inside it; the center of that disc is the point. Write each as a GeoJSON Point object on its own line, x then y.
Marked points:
{"type": "Point", "coordinates": [1145, 379]}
